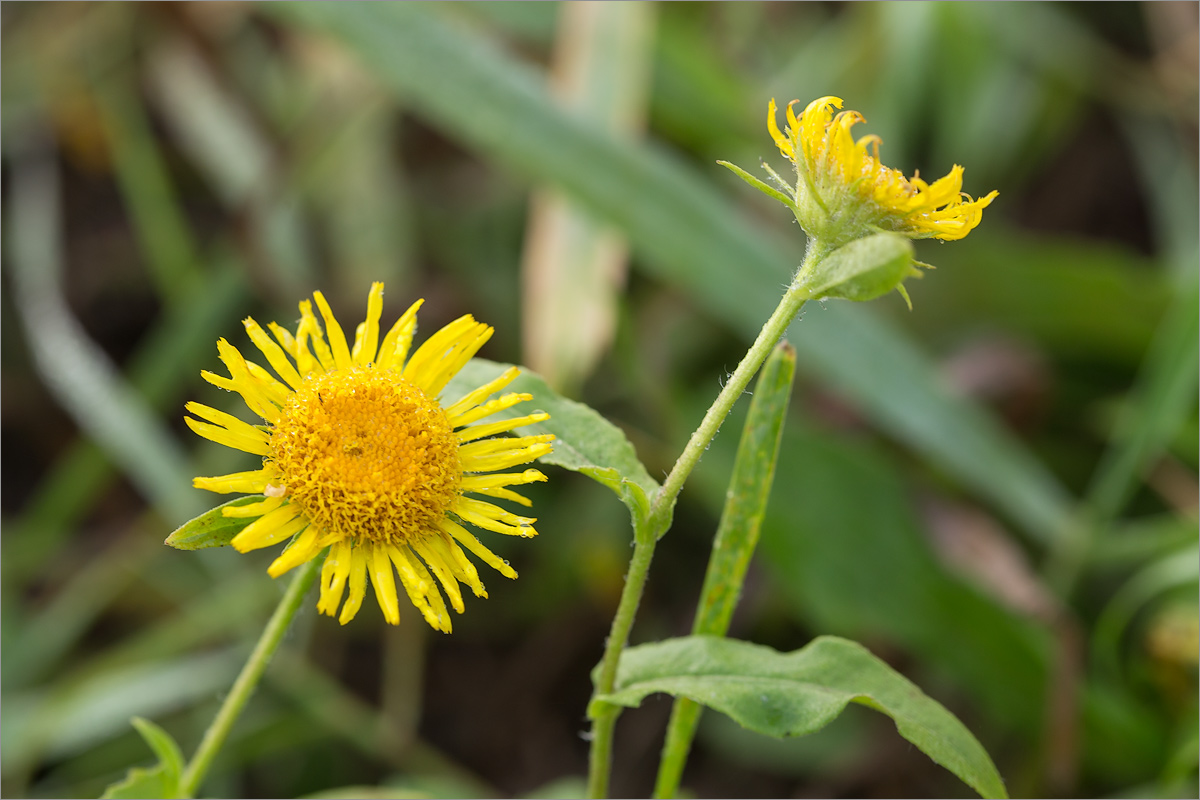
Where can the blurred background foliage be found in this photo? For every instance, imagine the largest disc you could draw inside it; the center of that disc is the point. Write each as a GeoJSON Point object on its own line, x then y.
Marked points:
{"type": "Point", "coordinates": [997, 492]}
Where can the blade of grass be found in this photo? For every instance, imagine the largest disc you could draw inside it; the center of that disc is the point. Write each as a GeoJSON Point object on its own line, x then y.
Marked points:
{"type": "Point", "coordinates": [1164, 396]}
{"type": "Point", "coordinates": [573, 264]}
{"type": "Point", "coordinates": [735, 542]}
{"type": "Point", "coordinates": [79, 374]}
{"type": "Point", "coordinates": [162, 231]}
{"type": "Point", "coordinates": [225, 142]}
{"type": "Point", "coordinates": [157, 371]}
{"type": "Point", "coordinates": [344, 165]}
{"type": "Point", "coordinates": [71, 717]}
{"type": "Point", "coordinates": [48, 635]}
{"type": "Point", "coordinates": [688, 235]}
{"type": "Point", "coordinates": [327, 702]}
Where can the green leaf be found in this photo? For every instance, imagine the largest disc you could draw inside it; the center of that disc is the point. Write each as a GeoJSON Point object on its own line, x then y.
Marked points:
{"type": "Point", "coordinates": [1163, 400]}
{"type": "Point", "coordinates": [1171, 572]}
{"type": "Point", "coordinates": [161, 780]}
{"type": "Point", "coordinates": [141, 783]}
{"type": "Point", "coordinates": [797, 693]}
{"type": "Point", "coordinates": [746, 497]}
{"type": "Point", "coordinates": [736, 539]}
{"type": "Point", "coordinates": [867, 570]}
{"type": "Point", "coordinates": [766, 189]}
{"type": "Point", "coordinates": [684, 233]}
{"type": "Point", "coordinates": [585, 441]}
{"type": "Point", "coordinates": [212, 528]}
{"type": "Point", "coordinates": [165, 747]}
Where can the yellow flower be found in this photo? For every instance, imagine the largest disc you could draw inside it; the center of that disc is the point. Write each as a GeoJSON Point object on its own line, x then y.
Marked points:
{"type": "Point", "coordinates": [842, 188]}
{"type": "Point", "coordinates": [361, 457]}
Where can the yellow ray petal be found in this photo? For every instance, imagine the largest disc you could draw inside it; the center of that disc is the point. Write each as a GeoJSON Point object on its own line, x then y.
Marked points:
{"type": "Point", "coordinates": [334, 572]}
{"type": "Point", "coordinates": [367, 345]}
{"type": "Point", "coordinates": [275, 391]}
{"type": "Point", "coordinates": [506, 494]}
{"type": "Point", "coordinates": [285, 339]}
{"type": "Point", "coordinates": [301, 551]}
{"type": "Point", "coordinates": [255, 400]}
{"type": "Point", "coordinates": [274, 353]}
{"type": "Point", "coordinates": [503, 426]}
{"type": "Point", "coordinates": [441, 372]}
{"type": "Point", "coordinates": [259, 509]}
{"type": "Point", "coordinates": [490, 407]}
{"type": "Point", "coordinates": [781, 141]}
{"type": "Point", "coordinates": [252, 482]}
{"type": "Point", "coordinates": [508, 458]}
{"type": "Point", "coordinates": [310, 331]}
{"type": "Point", "coordinates": [236, 440]}
{"type": "Point", "coordinates": [417, 583]}
{"type": "Point", "coordinates": [333, 331]}
{"type": "Point", "coordinates": [457, 560]}
{"type": "Point", "coordinates": [443, 572]}
{"type": "Point", "coordinates": [486, 447]}
{"type": "Point", "coordinates": [227, 421]}
{"type": "Point", "coordinates": [384, 580]}
{"type": "Point", "coordinates": [422, 367]}
{"type": "Point", "coordinates": [473, 398]}
{"type": "Point", "coordinates": [493, 518]}
{"type": "Point", "coordinates": [468, 540]}
{"type": "Point", "coordinates": [244, 383]}
{"type": "Point", "coordinates": [475, 483]}
{"type": "Point", "coordinates": [280, 524]}
{"type": "Point", "coordinates": [358, 584]}
{"type": "Point", "coordinates": [437, 615]}
{"type": "Point", "coordinates": [395, 345]}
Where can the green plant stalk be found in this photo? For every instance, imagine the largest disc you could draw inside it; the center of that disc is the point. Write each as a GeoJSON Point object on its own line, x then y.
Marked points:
{"type": "Point", "coordinates": [1157, 406]}
{"type": "Point", "coordinates": [648, 531]}
{"type": "Point", "coordinates": [735, 542]}
{"type": "Point", "coordinates": [604, 715]}
{"type": "Point", "coordinates": [248, 679]}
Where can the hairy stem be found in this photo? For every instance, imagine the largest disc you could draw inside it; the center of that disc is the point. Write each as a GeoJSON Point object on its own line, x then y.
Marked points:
{"type": "Point", "coordinates": [647, 532]}
{"type": "Point", "coordinates": [248, 679]}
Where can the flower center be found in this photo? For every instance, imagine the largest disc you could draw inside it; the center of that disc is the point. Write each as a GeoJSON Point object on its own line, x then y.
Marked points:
{"type": "Point", "coordinates": [364, 452]}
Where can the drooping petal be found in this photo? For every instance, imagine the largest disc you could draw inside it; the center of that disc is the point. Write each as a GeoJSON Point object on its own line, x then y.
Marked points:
{"type": "Point", "coordinates": [384, 580]}
{"type": "Point", "coordinates": [358, 584]}
{"type": "Point", "coordinates": [334, 573]}
{"type": "Point", "coordinates": [468, 540]}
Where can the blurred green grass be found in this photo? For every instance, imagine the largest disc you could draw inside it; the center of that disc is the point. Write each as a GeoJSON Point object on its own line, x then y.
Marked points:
{"type": "Point", "coordinates": [970, 489]}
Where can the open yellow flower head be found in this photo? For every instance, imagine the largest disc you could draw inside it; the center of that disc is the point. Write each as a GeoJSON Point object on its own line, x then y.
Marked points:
{"type": "Point", "coordinates": [843, 191]}
{"type": "Point", "coordinates": [359, 455]}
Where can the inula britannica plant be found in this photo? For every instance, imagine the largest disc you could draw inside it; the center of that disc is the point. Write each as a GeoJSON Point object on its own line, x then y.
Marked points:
{"type": "Point", "coordinates": [377, 460]}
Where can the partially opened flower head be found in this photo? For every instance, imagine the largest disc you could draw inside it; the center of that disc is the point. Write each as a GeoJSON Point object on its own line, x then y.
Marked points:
{"type": "Point", "coordinates": [359, 455]}
{"type": "Point", "coordinates": [843, 191]}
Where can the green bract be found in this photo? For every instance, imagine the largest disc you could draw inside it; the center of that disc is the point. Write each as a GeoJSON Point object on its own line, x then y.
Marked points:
{"type": "Point", "coordinates": [861, 270]}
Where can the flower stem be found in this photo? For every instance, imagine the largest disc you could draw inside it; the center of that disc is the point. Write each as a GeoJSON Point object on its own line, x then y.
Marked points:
{"type": "Point", "coordinates": [647, 532]}
{"type": "Point", "coordinates": [735, 542]}
{"type": "Point", "coordinates": [248, 679]}
{"type": "Point", "coordinates": [772, 331]}
{"type": "Point", "coordinates": [604, 715]}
